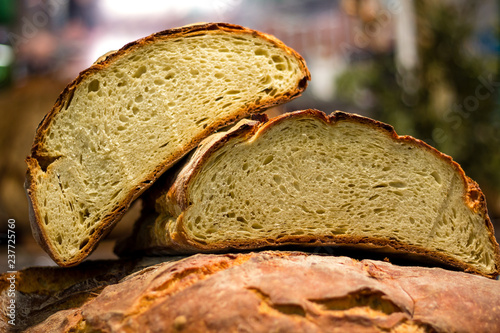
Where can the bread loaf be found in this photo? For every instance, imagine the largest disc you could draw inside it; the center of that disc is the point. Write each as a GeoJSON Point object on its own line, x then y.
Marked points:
{"type": "Point", "coordinates": [125, 120]}
{"type": "Point", "coordinates": [309, 179]}
{"type": "Point", "coordinates": [254, 292]}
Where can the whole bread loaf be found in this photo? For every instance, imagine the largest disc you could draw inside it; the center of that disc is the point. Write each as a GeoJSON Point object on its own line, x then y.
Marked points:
{"type": "Point", "coordinates": [125, 120]}
{"type": "Point", "coordinates": [305, 178]}
{"type": "Point", "coordinates": [253, 292]}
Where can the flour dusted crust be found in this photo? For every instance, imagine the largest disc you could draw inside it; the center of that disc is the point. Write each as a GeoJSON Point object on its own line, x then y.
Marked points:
{"type": "Point", "coordinates": [170, 235]}
{"type": "Point", "coordinates": [40, 159]}
{"type": "Point", "coordinates": [253, 292]}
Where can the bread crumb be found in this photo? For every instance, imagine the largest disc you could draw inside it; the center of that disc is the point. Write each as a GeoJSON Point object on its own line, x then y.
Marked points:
{"type": "Point", "coordinates": [180, 322]}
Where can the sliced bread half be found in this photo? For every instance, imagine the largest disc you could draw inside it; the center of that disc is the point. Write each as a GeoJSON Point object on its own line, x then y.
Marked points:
{"type": "Point", "coordinates": [310, 179]}
{"type": "Point", "coordinates": [125, 120]}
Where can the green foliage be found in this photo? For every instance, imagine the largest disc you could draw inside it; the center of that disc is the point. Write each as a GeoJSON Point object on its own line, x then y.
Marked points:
{"type": "Point", "coordinates": [449, 101]}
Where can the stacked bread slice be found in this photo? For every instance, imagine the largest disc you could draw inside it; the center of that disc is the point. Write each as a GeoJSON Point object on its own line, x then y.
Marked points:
{"type": "Point", "coordinates": [305, 178]}
{"type": "Point", "coordinates": [301, 179]}
{"type": "Point", "coordinates": [124, 121]}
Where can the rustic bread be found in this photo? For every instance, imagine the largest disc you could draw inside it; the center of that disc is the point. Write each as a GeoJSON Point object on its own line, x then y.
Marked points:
{"type": "Point", "coordinates": [255, 292]}
{"type": "Point", "coordinates": [311, 179]}
{"type": "Point", "coordinates": [130, 116]}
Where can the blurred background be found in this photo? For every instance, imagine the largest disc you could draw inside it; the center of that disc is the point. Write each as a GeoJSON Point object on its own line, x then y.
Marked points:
{"type": "Point", "coordinates": [429, 68]}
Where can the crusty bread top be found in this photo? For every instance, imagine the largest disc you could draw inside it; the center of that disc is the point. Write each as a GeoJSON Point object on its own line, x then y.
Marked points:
{"type": "Point", "coordinates": [254, 292]}
{"type": "Point", "coordinates": [52, 166]}
{"type": "Point", "coordinates": [179, 199]}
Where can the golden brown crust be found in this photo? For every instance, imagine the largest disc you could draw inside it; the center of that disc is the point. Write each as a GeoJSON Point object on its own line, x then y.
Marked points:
{"type": "Point", "coordinates": [254, 292]}
{"type": "Point", "coordinates": [43, 158]}
{"type": "Point", "coordinates": [178, 196]}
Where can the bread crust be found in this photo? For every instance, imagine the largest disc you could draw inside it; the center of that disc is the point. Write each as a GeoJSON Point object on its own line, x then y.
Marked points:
{"type": "Point", "coordinates": [264, 291]}
{"type": "Point", "coordinates": [178, 196]}
{"type": "Point", "coordinates": [41, 159]}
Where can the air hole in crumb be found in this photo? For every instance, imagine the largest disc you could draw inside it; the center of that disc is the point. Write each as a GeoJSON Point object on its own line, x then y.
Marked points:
{"type": "Point", "coordinates": [266, 80]}
{"type": "Point", "coordinates": [123, 118]}
{"type": "Point", "coordinates": [159, 82]}
{"type": "Point", "coordinates": [139, 99]}
{"type": "Point", "coordinates": [277, 59]}
{"type": "Point", "coordinates": [261, 52]}
{"type": "Point", "coordinates": [436, 177]}
{"type": "Point", "coordinates": [83, 243]}
{"type": "Point", "coordinates": [268, 160]}
{"type": "Point", "coordinates": [200, 121]}
{"type": "Point", "coordinates": [339, 231]}
{"type": "Point", "coordinates": [115, 194]}
{"type": "Point", "coordinates": [93, 86]}
{"type": "Point", "coordinates": [169, 76]}
{"type": "Point", "coordinates": [194, 72]}
{"type": "Point", "coordinates": [59, 239]}
{"type": "Point", "coordinates": [219, 75]}
{"type": "Point", "coordinates": [397, 184]}
{"type": "Point", "coordinates": [141, 70]}
{"type": "Point", "coordinates": [281, 67]}
{"type": "Point", "coordinates": [470, 240]}
{"type": "Point", "coordinates": [257, 226]}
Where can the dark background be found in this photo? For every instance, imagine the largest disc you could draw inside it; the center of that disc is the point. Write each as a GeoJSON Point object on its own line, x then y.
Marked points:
{"type": "Point", "coordinates": [429, 68]}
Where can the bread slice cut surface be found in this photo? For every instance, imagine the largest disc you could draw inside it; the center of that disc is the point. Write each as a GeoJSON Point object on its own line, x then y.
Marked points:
{"type": "Point", "coordinates": [311, 179]}
{"type": "Point", "coordinates": [130, 116]}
